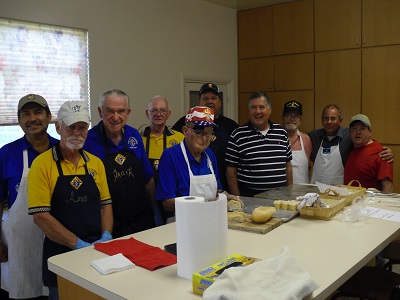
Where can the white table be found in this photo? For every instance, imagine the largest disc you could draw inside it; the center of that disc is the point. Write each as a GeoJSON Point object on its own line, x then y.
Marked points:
{"type": "Point", "coordinates": [332, 251]}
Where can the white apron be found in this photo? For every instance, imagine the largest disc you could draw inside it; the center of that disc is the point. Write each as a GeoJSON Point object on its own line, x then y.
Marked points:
{"type": "Point", "coordinates": [21, 276]}
{"type": "Point", "coordinates": [328, 166]}
{"type": "Point", "coordinates": [300, 165]}
{"type": "Point", "coordinates": [201, 185]}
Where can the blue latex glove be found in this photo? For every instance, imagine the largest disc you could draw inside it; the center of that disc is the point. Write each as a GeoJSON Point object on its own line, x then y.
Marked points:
{"type": "Point", "coordinates": [81, 244]}
{"type": "Point", "coordinates": [105, 236]}
{"type": "Point", "coordinates": [157, 216]}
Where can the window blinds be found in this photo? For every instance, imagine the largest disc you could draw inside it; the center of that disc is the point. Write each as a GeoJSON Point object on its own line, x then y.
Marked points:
{"type": "Point", "coordinates": [42, 59]}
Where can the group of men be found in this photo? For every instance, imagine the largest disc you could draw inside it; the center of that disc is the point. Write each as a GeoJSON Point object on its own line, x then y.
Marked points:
{"type": "Point", "coordinates": [98, 184]}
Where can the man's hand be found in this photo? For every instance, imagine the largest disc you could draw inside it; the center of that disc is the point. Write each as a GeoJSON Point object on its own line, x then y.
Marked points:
{"type": "Point", "coordinates": [387, 154]}
{"type": "Point", "coordinates": [3, 252]}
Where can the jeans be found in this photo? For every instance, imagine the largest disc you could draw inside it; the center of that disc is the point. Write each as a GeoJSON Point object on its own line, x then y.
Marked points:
{"type": "Point", "coordinates": [53, 293]}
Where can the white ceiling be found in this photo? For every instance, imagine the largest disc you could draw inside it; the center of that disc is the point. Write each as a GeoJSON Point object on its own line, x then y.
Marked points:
{"type": "Point", "coordinates": [243, 4]}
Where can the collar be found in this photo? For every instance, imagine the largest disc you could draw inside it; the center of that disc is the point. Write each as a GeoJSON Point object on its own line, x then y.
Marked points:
{"type": "Point", "coordinates": [57, 156]}
{"type": "Point", "coordinates": [167, 131]}
{"type": "Point", "coordinates": [340, 133]}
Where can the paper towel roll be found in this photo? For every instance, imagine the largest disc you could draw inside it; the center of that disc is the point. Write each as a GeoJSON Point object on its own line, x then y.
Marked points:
{"type": "Point", "coordinates": [201, 233]}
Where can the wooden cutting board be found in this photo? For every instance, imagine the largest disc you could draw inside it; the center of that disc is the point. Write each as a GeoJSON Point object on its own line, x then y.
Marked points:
{"type": "Point", "coordinates": [250, 226]}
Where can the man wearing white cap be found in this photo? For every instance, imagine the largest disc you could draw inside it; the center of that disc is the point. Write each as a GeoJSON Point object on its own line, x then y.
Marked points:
{"type": "Point", "coordinates": [190, 168]}
{"type": "Point", "coordinates": [364, 163]}
{"type": "Point", "coordinates": [68, 194]}
{"type": "Point", "coordinates": [23, 239]}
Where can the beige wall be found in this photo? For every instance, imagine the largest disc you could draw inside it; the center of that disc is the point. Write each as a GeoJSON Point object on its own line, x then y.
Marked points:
{"type": "Point", "coordinates": [144, 47]}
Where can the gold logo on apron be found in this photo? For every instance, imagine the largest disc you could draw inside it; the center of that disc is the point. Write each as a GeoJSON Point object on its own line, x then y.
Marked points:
{"type": "Point", "coordinates": [120, 159]}
{"type": "Point", "coordinates": [76, 182]}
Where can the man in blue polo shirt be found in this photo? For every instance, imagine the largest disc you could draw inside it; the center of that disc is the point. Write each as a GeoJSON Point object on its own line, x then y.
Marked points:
{"type": "Point", "coordinates": [129, 173]}
{"type": "Point", "coordinates": [22, 240]}
{"type": "Point", "coordinates": [190, 168]}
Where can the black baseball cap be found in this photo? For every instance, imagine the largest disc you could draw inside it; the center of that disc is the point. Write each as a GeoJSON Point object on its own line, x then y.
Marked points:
{"type": "Point", "coordinates": [293, 105]}
{"type": "Point", "coordinates": [209, 87]}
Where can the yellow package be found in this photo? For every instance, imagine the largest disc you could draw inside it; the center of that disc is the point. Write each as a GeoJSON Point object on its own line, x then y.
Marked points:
{"type": "Point", "coordinates": [204, 278]}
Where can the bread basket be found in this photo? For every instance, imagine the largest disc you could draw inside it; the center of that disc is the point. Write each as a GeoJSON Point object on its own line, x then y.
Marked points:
{"type": "Point", "coordinates": [334, 203]}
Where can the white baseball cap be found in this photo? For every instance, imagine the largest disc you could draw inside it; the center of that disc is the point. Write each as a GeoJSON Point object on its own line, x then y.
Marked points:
{"type": "Point", "coordinates": [73, 111]}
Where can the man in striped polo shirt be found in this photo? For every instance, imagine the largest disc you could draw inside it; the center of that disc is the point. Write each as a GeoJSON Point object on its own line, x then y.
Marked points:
{"type": "Point", "coordinates": [258, 155]}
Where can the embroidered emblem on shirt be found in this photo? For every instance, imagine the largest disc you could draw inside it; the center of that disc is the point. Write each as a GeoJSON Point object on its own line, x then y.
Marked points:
{"type": "Point", "coordinates": [92, 172]}
{"type": "Point", "coordinates": [119, 159]}
{"type": "Point", "coordinates": [76, 182]}
{"type": "Point", "coordinates": [132, 142]}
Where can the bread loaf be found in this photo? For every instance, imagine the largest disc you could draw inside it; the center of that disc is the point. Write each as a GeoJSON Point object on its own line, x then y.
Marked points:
{"type": "Point", "coordinates": [234, 205]}
{"type": "Point", "coordinates": [262, 214]}
{"type": "Point", "coordinates": [285, 204]}
{"type": "Point", "coordinates": [277, 204]}
{"type": "Point", "coordinates": [293, 204]}
{"type": "Point", "coordinates": [237, 217]}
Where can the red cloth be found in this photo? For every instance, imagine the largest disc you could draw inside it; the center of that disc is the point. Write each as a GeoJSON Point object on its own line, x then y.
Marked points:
{"type": "Point", "coordinates": [142, 254]}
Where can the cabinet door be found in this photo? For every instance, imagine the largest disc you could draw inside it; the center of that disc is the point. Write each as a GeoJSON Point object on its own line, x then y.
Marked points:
{"type": "Point", "coordinates": [338, 81]}
{"type": "Point", "coordinates": [337, 24]}
{"type": "Point", "coordinates": [256, 74]}
{"type": "Point", "coordinates": [293, 27]}
{"type": "Point", "coordinates": [381, 22]}
{"type": "Point", "coordinates": [381, 91]}
{"type": "Point", "coordinates": [306, 98]}
{"type": "Point", "coordinates": [294, 72]}
{"type": "Point", "coordinates": [243, 113]}
{"type": "Point", "coordinates": [255, 32]}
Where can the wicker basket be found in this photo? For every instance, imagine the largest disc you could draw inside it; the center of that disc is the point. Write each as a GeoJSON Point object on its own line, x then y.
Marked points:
{"type": "Point", "coordinates": [354, 191]}
{"type": "Point", "coordinates": [335, 202]}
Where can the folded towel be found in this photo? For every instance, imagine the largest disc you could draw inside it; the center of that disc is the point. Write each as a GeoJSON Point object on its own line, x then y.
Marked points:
{"type": "Point", "coordinates": [112, 264]}
{"type": "Point", "coordinates": [280, 277]}
{"type": "Point", "coordinates": [142, 254]}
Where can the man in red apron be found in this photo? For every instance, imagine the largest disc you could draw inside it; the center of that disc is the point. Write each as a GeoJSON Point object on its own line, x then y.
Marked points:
{"type": "Point", "coordinates": [68, 194]}
{"type": "Point", "coordinates": [22, 240]}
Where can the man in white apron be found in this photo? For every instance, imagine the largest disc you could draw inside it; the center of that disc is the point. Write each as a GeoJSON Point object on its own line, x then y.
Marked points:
{"type": "Point", "coordinates": [331, 147]}
{"type": "Point", "coordinates": [190, 168]}
{"type": "Point", "coordinates": [22, 240]}
{"type": "Point", "coordinates": [300, 142]}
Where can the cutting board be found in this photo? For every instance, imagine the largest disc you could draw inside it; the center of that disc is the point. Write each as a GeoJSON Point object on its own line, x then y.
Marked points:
{"type": "Point", "coordinates": [250, 226]}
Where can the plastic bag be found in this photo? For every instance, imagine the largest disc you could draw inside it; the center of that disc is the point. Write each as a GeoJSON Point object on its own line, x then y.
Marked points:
{"type": "Point", "coordinates": [356, 212]}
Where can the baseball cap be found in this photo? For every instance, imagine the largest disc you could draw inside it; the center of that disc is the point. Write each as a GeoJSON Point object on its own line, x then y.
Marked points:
{"type": "Point", "coordinates": [293, 105]}
{"type": "Point", "coordinates": [209, 87]}
{"type": "Point", "coordinates": [201, 116]}
{"type": "Point", "coordinates": [32, 98]}
{"type": "Point", "coordinates": [73, 111]}
{"type": "Point", "coordinates": [362, 118]}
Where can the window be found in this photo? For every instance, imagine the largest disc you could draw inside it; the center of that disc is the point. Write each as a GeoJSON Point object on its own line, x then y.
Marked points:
{"type": "Point", "coordinates": [42, 59]}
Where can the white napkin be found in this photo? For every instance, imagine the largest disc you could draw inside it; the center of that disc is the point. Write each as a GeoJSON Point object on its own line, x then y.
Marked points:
{"type": "Point", "coordinates": [280, 277]}
{"type": "Point", "coordinates": [112, 264]}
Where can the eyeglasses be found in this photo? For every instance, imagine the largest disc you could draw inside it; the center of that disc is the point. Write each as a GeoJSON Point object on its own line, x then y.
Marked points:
{"type": "Point", "coordinates": [207, 134]}
{"type": "Point", "coordinates": [332, 119]}
{"type": "Point", "coordinates": [293, 116]}
{"type": "Point", "coordinates": [356, 128]}
{"type": "Point", "coordinates": [155, 111]}
{"type": "Point", "coordinates": [79, 128]}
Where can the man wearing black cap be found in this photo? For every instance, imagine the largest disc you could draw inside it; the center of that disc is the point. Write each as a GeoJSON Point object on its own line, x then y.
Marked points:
{"type": "Point", "coordinates": [300, 142]}
{"type": "Point", "coordinates": [23, 239]}
{"type": "Point", "coordinates": [209, 96]}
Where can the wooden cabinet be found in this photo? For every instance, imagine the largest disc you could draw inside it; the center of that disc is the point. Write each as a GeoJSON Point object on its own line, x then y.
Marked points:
{"type": "Point", "coordinates": [293, 27]}
{"type": "Point", "coordinates": [255, 35]}
{"type": "Point", "coordinates": [338, 81]}
{"type": "Point", "coordinates": [256, 74]}
{"type": "Point", "coordinates": [380, 22]}
{"type": "Point", "coordinates": [294, 72]}
{"type": "Point", "coordinates": [381, 91]}
{"type": "Point", "coordinates": [337, 24]}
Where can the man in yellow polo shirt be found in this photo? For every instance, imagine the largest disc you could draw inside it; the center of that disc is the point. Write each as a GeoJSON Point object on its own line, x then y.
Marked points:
{"type": "Point", "coordinates": [68, 194]}
{"type": "Point", "coordinates": [157, 137]}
